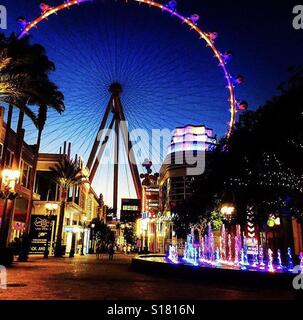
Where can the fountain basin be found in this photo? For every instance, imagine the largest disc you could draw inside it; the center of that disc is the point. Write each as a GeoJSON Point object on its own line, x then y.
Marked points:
{"type": "Point", "coordinates": [160, 265]}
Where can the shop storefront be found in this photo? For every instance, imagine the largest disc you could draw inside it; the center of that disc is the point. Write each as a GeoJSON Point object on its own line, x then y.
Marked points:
{"type": "Point", "coordinates": [42, 231]}
{"type": "Point", "coordinates": [74, 236]}
{"type": "Point", "coordinates": [155, 232]}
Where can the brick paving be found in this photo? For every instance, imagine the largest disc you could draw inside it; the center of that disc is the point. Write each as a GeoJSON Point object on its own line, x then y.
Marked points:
{"type": "Point", "coordinates": [87, 278]}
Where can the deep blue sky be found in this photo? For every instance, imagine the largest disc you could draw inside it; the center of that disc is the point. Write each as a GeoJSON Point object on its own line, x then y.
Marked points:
{"type": "Point", "coordinates": [170, 79]}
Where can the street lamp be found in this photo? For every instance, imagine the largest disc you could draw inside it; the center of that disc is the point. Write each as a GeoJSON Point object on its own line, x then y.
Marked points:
{"type": "Point", "coordinates": [273, 221]}
{"type": "Point", "coordinates": [50, 209]}
{"type": "Point", "coordinates": [228, 211]}
{"type": "Point", "coordinates": [8, 194]}
{"type": "Point", "coordinates": [10, 178]}
{"type": "Point", "coordinates": [83, 235]}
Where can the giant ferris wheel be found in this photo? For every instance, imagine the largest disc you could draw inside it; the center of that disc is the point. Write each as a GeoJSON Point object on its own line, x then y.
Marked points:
{"type": "Point", "coordinates": [118, 62]}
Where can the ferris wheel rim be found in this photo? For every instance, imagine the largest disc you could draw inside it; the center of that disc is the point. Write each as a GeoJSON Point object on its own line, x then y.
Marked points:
{"type": "Point", "coordinates": [164, 8]}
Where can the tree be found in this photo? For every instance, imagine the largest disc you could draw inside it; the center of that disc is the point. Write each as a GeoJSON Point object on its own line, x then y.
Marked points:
{"type": "Point", "coordinates": [50, 97]}
{"type": "Point", "coordinates": [67, 174]}
{"type": "Point", "coordinates": [267, 151]}
{"type": "Point", "coordinates": [259, 165]}
{"type": "Point", "coordinates": [129, 235]}
{"type": "Point", "coordinates": [102, 232]}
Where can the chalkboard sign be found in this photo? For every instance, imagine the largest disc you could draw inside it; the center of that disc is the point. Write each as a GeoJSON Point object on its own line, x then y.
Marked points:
{"type": "Point", "coordinates": [40, 231]}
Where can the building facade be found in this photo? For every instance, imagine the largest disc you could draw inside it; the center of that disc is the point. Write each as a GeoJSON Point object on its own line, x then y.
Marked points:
{"type": "Point", "coordinates": [188, 143]}
{"type": "Point", "coordinates": [16, 145]}
{"type": "Point", "coordinates": [83, 205]}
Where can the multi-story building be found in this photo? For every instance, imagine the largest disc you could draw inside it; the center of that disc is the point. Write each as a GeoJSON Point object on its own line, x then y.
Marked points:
{"type": "Point", "coordinates": [175, 181]}
{"type": "Point", "coordinates": [154, 232]}
{"type": "Point", "coordinates": [150, 199]}
{"type": "Point", "coordinates": [24, 165]}
{"type": "Point", "coordinates": [155, 228]}
{"type": "Point", "coordinates": [151, 229]}
{"type": "Point", "coordinates": [130, 210]}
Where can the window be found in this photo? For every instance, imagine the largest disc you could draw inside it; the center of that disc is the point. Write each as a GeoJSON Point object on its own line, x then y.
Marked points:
{"type": "Point", "coordinates": [130, 208]}
{"type": "Point", "coordinates": [9, 159]}
{"type": "Point", "coordinates": [26, 171]}
{"type": "Point", "coordinates": [46, 186]}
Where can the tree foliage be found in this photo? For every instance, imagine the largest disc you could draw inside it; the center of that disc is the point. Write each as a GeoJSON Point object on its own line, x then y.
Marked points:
{"type": "Point", "coordinates": [259, 165]}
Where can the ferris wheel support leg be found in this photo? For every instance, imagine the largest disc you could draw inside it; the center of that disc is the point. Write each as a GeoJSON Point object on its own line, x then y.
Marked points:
{"type": "Point", "coordinates": [130, 156]}
{"type": "Point", "coordinates": [97, 140]}
{"type": "Point", "coordinates": [116, 166]}
{"type": "Point", "coordinates": [101, 151]}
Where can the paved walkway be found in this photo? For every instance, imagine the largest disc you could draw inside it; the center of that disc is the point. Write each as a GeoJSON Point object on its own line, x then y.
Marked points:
{"type": "Point", "coordinates": [87, 278]}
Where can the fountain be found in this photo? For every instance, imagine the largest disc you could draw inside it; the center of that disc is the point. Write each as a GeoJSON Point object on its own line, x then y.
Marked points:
{"type": "Point", "coordinates": [190, 252]}
{"type": "Point", "coordinates": [279, 260]}
{"type": "Point", "coordinates": [229, 249]}
{"type": "Point", "coordinates": [202, 247]}
{"type": "Point", "coordinates": [211, 243]}
{"type": "Point", "coordinates": [173, 254]}
{"type": "Point", "coordinates": [242, 263]}
{"type": "Point", "coordinates": [231, 253]}
{"type": "Point", "coordinates": [217, 256]}
{"type": "Point", "coordinates": [256, 261]}
{"type": "Point", "coordinates": [223, 243]}
{"type": "Point", "coordinates": [270, 261]}
{"type": "Point", "coordinates": [261, 258]}
{"type": "Point", "coordinates": [236, 262]}
{"type": "Point", "coordinates": [290, 265]}
{"type": "Point", "coordinates": [246, 262]}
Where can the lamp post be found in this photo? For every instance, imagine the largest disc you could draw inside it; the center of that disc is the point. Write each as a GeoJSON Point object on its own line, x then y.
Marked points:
{"type": "Point", "coordinates": [228, 211]}
{"type": "Point", "coordinates": [92, 238]}
{"type": "Point", "coordinates": [8, 194]}
{"type": "Point", "coordinates": [83, 235]}
{"type": "Point", "coordinates": [50, 209]}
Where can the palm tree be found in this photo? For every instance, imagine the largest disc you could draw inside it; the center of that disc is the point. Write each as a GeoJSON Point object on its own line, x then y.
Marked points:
{"type": "Point", "coordinates": [21, 61]}
{"type": "Point", "coordinates": [26, 68]}
{"type": "Point", "coordinates": [67, 173]}
{"type": "Point", "coordinates": [50, 97]}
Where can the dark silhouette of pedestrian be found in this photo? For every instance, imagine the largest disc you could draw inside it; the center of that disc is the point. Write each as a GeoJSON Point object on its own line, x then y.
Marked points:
{"type": "Point", "coordinates": [111, 251]}
{"type": "Point", "coordinates": [98, 250]}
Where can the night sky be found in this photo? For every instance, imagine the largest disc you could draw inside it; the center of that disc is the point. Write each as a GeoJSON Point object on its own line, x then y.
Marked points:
{"type": "Point", "coordinates": [169, 77]}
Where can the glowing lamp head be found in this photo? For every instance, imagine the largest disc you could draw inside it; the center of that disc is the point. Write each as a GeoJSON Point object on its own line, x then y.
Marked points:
{"type": "Point", "coordinates": [271, 222]}
{"type": "Point", "coordinates": [51, 206]}
{"type": "Point", "coordinates": [172, 4]}
{"type": "Point", "coordinates": [242, 106]}
{"type": "Point", "coordinates": [227, 210]}
{"type": "Point", "coordinates": [195, 18]}
{"type": "Point", "coordinates": [22, 22]}
{"type": "Point", "coordinates": [10, 178]}
{"type": "Point", "coordinates": [278, 221]}
{"type": "Point", "coordinates": [44, 6]}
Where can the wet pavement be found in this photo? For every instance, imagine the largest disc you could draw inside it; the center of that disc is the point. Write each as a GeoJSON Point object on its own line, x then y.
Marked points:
{"type": "Point", "coordinates": [85, 277]}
